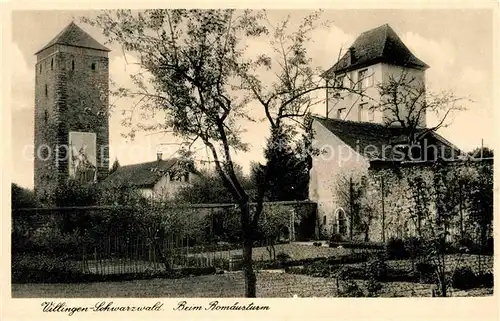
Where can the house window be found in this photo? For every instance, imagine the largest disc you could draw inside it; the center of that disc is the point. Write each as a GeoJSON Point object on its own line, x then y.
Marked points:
{"type": "Point", "coordinates": [339, 81]}
{"type": "Point", "coordinates": [362, 79]}
{"type": "Point", "coordinates": [362, 108]}
{"type": "Point", "coordinates": [340, 113]}
{"type": "Point", "coordinates": [93, 66]}
{"type": "Point", "coordinates": [371, 114]}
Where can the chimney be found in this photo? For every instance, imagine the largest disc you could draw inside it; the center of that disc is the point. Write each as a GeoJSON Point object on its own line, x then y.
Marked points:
{"type": "Point", "coordinates": [159, 156]}
{"type": "Point", "coordinates": [352, 56]}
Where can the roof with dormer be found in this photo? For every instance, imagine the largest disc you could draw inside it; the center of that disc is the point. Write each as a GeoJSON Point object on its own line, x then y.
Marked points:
{"type": "Point", "coordinates": [378, 45]}
{"type": "Point", "coordinates": [75, 36]}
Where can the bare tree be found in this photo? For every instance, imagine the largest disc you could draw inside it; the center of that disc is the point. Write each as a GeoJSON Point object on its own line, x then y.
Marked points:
{"type": "Point", "coordinates": [195, 72]}
{"type": "Point", "coordinates": [405, 102]}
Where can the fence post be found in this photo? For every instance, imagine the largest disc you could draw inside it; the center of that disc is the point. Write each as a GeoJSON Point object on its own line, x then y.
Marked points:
{"type": "Point", "coordinates": [383, 209]}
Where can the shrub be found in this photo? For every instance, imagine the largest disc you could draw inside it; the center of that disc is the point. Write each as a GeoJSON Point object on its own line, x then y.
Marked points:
{"type": "Point", "coordinates": [485, 280]}
{"type": "Point", "coordinates": [22, 197]}
{"type": "Point", "coordinates": [464, 278]}
{"type": "Point", "coordinates": [414, 247]}
{"type": "Point", "coordinates": [489, 246]}
{"type": "Point", "coordinates": [282, 257]}
{"type": "Point", "coordinates": [395, 249]}
{"type": "Point", "coordinates": [426, 272]}
{"type": "Point", "coordinates": [377, 269]}
{"type": "Point", "coordinates": [221, 263]}
{"type": "Point", "coordinates": [336, 238]}
{"type": "Point", "coordinates": [350, 289]}
{"type": "Point", "coordinates": [42, 268]}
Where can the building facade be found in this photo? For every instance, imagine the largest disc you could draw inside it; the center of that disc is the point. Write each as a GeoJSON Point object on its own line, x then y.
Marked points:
{"type": "Point", "coordinates": [71, 111]}
{"type": "Point", "coordinates": [353, 134]}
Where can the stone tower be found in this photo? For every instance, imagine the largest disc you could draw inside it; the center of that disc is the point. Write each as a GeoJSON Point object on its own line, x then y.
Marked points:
{"type": "Point", "coordinates": [71, 111]}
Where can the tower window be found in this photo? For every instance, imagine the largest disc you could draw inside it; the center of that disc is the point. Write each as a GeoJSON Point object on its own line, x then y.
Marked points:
{"type": "Point", "coordinates": [93, 66]}
{"type": "Point", "coordinates": [46, 90]}
{"type": "Point", "coordinates": [340, 113]}
{"type": "Point", "coordinates": [52, 64]}
{"type": "Point", "coordinates": [40, 67]}
{"type": "Point", "coordinates": [45, 116]}
{"type": "Point", "coordinates": [72, 65]}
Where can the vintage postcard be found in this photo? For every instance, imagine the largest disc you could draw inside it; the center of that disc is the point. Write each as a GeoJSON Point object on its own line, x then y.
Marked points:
{"type": "Point", "coordinates": [237, 162]}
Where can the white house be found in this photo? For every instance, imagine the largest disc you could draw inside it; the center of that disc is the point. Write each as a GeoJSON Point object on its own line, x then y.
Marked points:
{"type": "Point", "coordinates": [157, 179]}
{"type": "Point", "coordinates": [351, 135]}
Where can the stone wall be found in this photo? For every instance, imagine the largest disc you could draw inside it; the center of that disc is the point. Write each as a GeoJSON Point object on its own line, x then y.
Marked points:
{"type": "Point", "coordinates": [410, 190]}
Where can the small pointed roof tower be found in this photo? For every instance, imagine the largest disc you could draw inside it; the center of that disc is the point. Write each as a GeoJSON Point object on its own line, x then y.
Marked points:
{"type": "Point", "coordinates": [75, 36]}
{"type": "Point", "coordinates": [378, 45]}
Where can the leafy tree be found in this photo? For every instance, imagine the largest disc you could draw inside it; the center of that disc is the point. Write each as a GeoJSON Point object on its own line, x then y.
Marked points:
{"type": "Point", "coordinates": [290, 178]}
{"type": "Point", "coordinates": [194, 70]}
{"type": "Point", "coordinates": [208, 188]}
{"type": "Point", "coordinates": [22, 197]}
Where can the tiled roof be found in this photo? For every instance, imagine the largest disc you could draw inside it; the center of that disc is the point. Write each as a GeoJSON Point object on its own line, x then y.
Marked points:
{"type": "Point", "coordinates": [143, 174]}
{"type": "Point", "coordinates": [360, 135]}
{"type": "Point", "coordinates": [377, 45]}
{"type": "Point", "coordinates": [74, 36]}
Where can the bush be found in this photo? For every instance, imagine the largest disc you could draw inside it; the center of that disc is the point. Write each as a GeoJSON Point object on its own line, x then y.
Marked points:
{"type": "Point", "coordinates": [350, 289]}
{"type": "Point", "coordinates": [22, 197]}
{"type": "Point", "coordinates": [336, 238]}
{"type": "Point", "coordinates": [395, 249]}
{"type": "Point", "coordinates": [377, 269]}
{"type": "Point", "coordinates": [42, 268]}
{"type": "Point", "coordinates": [282, 257]}
{"type": "Point", "coordinates": [426, 272]}
{"type": "Point", "coordinates": [464, 278]}
{"type": "Point", "coordinates": [485, 280]}
{"type": "Point", "coordinates": [489, 246]}
{"type": "Point", "coordinates": [414, 247]}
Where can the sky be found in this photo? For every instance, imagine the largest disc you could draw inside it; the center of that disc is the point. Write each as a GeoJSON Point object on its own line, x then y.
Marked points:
{"type": "Point", "coordinates": [457, 44]}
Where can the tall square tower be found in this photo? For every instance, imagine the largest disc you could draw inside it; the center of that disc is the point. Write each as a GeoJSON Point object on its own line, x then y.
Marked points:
{"type": "Point", "coordinates": [71, 111]}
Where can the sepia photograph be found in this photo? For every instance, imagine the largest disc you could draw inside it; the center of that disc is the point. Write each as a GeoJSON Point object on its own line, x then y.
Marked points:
{"type": "Point", "coordinates": [230, 153]}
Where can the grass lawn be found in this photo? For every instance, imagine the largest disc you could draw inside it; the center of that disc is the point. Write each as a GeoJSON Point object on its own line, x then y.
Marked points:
{"type": "Point", "coordinates": [269, 284]}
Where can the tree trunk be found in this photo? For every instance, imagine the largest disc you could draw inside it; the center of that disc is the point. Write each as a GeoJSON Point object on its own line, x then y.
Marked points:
{"type": "Point", "coordinates": [250, 278]}
{"type": "Point", "coordinates": [248, 272]}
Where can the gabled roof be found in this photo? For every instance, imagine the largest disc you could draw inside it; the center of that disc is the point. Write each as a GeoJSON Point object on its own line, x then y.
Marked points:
{"type": "Point", "coordinates": [74, 36]}
{"type": "Point", "coordinates": [143, 174]}
{"type": "Point", "coordinates": [360, 135]}
{"type": "Point", "coordinates": [377, 45]}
